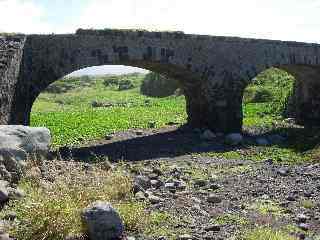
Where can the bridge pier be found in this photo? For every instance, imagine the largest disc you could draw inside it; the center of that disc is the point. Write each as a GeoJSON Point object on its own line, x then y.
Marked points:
{"type": "Point", "coordinates": [304, 103]}
{"type": "Point", "coordinates": [218, 114]}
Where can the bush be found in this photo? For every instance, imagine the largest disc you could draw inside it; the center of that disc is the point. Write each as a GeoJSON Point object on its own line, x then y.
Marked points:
{"type": "Point", "coordinates": [262, 95]}
{"type": "Point", "coordinates": [156, 85]}
{"type": "Point", "coordinates": [110, 80]}
{"type": "Point", "coordinates": [69, 83]}
{"type": "Point", "coordinates": [125, 85]}
{"type": "Point", "coordinates": [53, 212]}
{"type": "Point", "coordinates": [267, 233]}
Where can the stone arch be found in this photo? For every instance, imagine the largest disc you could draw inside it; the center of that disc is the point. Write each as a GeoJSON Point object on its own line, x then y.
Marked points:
{"type": "Point", "coordinates": [62, 55]}
{"type": "Point", "coordinates": [304, 103]}
{"type": "Point", "coordinates": [213, 70]}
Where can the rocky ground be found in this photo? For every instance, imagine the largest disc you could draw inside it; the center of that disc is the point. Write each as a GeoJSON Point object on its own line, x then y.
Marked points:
{"type": "Point", "coordinates": [203, 197]}
{"type": "Point", "coordinates": [212, 198]}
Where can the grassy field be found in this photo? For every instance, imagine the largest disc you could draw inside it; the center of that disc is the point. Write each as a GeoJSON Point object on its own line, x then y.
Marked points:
{"type": "Point", "coordinates": [72, 119]}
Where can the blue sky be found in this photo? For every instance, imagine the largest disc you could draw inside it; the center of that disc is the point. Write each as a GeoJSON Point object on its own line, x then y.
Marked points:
{"type": "Point", "coordinates": [297, 20]}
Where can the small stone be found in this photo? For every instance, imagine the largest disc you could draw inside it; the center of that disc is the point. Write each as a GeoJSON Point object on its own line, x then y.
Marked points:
{"type": "Point", "coordinates": [139, 132]}
{"type": "Point", "coordinates": [108, 137]}
{"type": "Point", "coordinates": [291, 198]}
{"type": "Point", "coordinates": [102, 221]}
{"type": "Point", "coordinates": [87, 167]}
{"type": "Point", "coordinates": [10, 216]}
{"type": "Point", "coordinates": [283, 171]}
{"type": "Point", "coordinates": [200, 183]}
{"type": "Point", "coordinates": [154, 199]}
{"type": "Point", "coordinates": [156, 183]}
{"type": "Point", "coordinates": [212, 198]}
{"type": "Point", "coordinates": [304, 226]}
{"type": "Point", "coordinates": [234, 139]}
{"type": "Point", "coordinates": [185, 237]}
{"type": "Point", "coordinates": [208, 135]}
{"type": "Point", "coordinates": [214, 228]}
{"type": "Point", "coordinates": [4, 236]}
{"type": "Point", "coordinates": [301, 218]}
{"type": "Point", "coordinates": [214, 186]}
{"type": "Point", "coordinates": [140, 196]}
{"type": "Point", "coordinates": [142, 181]}
{"type": "Point", "coordinates": [153, 176]}
{"type": "Point", "coordinates": [268, 161]}
{"type": "Point", "coordinates": [4, 195]}
{"type": "Point", "coordinates": [170, 185]}
{"type": "Point", "coordinates": [180, 185]}
{"type": "Point", "coordinates": [15, 193]}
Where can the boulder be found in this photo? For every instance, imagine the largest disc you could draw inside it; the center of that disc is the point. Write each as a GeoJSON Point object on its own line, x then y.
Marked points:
{"type": "Point", "coordinates": [208, 135]}
{"type": "Point", "coordinates": [4, 195]}
{"type": "Point", "coordinates": [234, 139]}
{"type": "Point", "coordinates": [102, 221]}
{"type": "Point", "coordinates": [17, 144]}
{"type": "Point", "coordinates": [262, 141]}
{"type": "Point", "coordinates": [20, 141]}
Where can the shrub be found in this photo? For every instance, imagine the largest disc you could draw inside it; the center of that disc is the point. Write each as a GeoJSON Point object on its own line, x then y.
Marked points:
{"type": "Point", "coordinates": [125, 85]}
{"type": "Point", "coordinates": [156, 85]}
{"type": "Point", "coordinates": [53, 212]}
{"type": "Point", "coordinates": [266, 233]}
{"type": "Point", "coordinates": [110, 80]}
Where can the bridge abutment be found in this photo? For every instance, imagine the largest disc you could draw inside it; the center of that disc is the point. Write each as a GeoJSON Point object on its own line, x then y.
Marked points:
{"type": "Point", "coordinates": [218, 114]}
{"type": "Point", "coordinates": [304, 103]}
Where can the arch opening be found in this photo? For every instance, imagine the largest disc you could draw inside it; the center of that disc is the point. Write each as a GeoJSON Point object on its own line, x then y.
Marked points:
{"type": "Point", "coordinates": [268, 97]}
{"type": "Point", "coordinates": [85, 106]}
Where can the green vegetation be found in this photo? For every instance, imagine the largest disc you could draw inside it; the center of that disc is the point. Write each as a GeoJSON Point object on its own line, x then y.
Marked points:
{"type": "Point", "coordinates": [234, 219]}
{"type": "Point", "coordinates": [156, 85]}
{"type": "Point", "coordinates": [53, 211]}
{"type": "Point", "coordinates": [89, 108]}
{"type": "Point", "coordinates": [72, 119]}
{"type": "Point", "coordinates": [266, 233]}
{"type": "Point", "coordinates": [266, 97]}
{"type": "Point", "coordinates": [266, 207]}
{"type": "Point", "coordinates": [308, 204]}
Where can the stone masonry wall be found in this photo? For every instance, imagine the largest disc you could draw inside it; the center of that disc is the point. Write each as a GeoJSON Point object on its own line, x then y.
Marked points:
{"type": "Point", "coordinates": [11, 50]}
{"type": "Point", "coordinates": [213, 71]}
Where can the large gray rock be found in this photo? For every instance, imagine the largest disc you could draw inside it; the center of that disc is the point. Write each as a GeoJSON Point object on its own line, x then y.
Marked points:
{"type": "Point", "coordinates": [19, 141]}
{"type": "Point", "coordinates": [102, 221]}
{"type": "Point", "coordinates": [234, 139]}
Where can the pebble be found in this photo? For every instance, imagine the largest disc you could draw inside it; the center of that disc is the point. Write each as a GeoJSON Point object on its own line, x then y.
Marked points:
{"type": "Point", "coordinates": [200, 183]}
{"type": "Point", "coordinates": [208, 135]}
{"type": "Point", "coordinates": [283, 171]}
{"type": "Point", "coordinates": [185, 237]}
{"type": "Point", "coordinates": [139, 133]}
{"type": "Point", "coordinates": [4, 195]}
{"type": "Point", "coordinates": [214, 228]}
{"type": "Point", "coordinates": [4, 236]}
{"type": "Point", "coordinates": [140, 196]}
{"type": "Point", "coordinates": [212, 198]}
{"type": "Point", "coordinates": [302, 218]}
{"type": "Point", "coordinates": [169, 185]}
{"type": "Point", "coordinates": [142, 181]}
{"type": "Point", "coordinates": [154, 199]}
{"type": "Point", "coordinates": [304, 226]}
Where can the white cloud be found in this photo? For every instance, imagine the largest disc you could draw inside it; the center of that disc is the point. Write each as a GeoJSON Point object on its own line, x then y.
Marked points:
{"type": "Point", "coordinates": [273, 19]}
{"type": "Point", "coordinates": [21, 16]}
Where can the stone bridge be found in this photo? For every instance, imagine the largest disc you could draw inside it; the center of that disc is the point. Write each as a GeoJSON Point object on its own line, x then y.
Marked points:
{"type": "Point", "coordinates": [213, 71]}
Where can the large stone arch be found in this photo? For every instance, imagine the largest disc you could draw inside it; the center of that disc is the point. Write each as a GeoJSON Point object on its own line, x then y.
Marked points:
{"type": "Point", "coordinates": [212, 70]}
